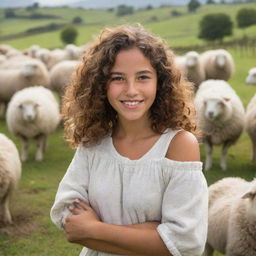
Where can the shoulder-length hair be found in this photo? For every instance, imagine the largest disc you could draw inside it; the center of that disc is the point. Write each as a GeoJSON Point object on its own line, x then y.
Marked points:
{"type": "Point", "coordinates": [87, 114]}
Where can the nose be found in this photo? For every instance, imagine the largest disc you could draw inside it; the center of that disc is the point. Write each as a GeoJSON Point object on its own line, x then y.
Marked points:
{"type": "Point", "coordinates": [131, 88]}
{"type": "Point", "coordinates": [210, 114]}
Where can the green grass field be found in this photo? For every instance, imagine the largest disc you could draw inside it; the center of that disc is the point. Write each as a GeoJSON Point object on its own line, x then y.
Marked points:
{"type": "Point", "coordinates": [33, 233]}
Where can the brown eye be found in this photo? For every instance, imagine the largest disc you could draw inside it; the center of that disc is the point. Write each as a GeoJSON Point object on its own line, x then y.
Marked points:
{"type": "Point", "coordinates": [116, 78]}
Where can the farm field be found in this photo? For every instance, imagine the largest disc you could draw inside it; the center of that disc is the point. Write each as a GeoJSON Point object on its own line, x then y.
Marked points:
{"type": "Point", "coordinates": [33, 233]}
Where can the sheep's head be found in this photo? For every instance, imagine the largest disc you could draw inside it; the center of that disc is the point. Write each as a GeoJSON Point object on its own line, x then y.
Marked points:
{"type": "Point", "coordinates": [28, 111]}
{"type": "Point", "coordinates": [251, 196]}
{"type": "Point", "coordinates": [217, 109]}
{"type": "Point", "coordinates": [28, 70]}
{"type": "Point", "coordinates": [251, 78]}
{"type": "Point", "coordinates": [192, 59]}
{"type": "Point", "coordinates": [221, 60]}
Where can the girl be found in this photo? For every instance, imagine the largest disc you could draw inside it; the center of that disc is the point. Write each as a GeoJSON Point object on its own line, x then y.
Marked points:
{"type": "Point", "coordinates": [135, 185]}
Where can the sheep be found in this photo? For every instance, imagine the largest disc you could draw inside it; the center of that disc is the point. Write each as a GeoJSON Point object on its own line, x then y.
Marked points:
{"type": "Point", "coordinates": [218, 64]}
{"type": "Point", "coordinates": [19, 76]}
{"type": "Point", "coordinates": [232, 218]}
{"type": "Point", "coordinates": [60, 75]}
{"type": "Point", "coordinates": [33, 113]}
{"type": "Point", "coordinates": [220, 116]}
{"type": "Point", "coordinates": [10, 172]}
{"type": "Point", "coordinates": [251, 78]}
{"type": "Point", "coordinates": [250, 124]}
{"type": "Point", "coordinates": [191, 67]}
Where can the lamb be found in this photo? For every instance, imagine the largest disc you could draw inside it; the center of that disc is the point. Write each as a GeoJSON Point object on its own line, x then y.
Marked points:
{"type": "Point", "coordinates": [250, 124]}
{"type": "Point", "coordinates": [30, 73]}
{"type": "Point", "coordinates": [191, 67]}
{"type": "Point", "coordinates": [33, 113]}
{"type": "Point", "coordinates": [220, 115]}
{"type": "Point", "coordinates": [232, 222]}
{"type": "Point", "coordinates": [10, 172]}
{"type": "Point", "coordinates": [251, 78]}
{"type": "Point", "coordinates": [60, 75]}
{"type": "Point", "coordinates": [218, 64]}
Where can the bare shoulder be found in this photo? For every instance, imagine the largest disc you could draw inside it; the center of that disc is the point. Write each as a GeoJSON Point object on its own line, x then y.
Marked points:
{"type": "Point", "coordinates": [184, 147]}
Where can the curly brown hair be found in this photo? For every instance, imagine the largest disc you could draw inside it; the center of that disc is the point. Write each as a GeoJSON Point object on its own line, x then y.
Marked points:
{"type": "Point", "coordinates": [87, 114]}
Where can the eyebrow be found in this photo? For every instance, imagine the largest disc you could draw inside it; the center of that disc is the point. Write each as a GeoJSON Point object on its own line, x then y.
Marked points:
{"type": "Point", "coordinates": [138, 73]}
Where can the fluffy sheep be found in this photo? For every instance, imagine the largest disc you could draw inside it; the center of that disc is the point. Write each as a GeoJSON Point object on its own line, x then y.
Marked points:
{"type": "Point", "coordinates": [250, 124]}
{"type": "Point", "coordinates": [232, 218]}
{"type": "Point", "coordinates": [60, 75]}
{"type": "Point", "coordinates": [33, 113]}
{"type": "Point", "coordinates": [220, 115]}
{"type": "Point", "coordinates": [191, 67]}
{"type": "Point", "coordinates": [218, 64]}
{"type": "Point", "coordinates": [10, 171]}
{"type": "Point", "coordinates": [14, 78]}
{"type": "Point", "coordinates": [251, 78]}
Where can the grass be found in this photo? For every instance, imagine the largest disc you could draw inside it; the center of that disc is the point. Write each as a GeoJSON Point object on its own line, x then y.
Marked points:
{"type": "Point", "coordinates": [33, 233]}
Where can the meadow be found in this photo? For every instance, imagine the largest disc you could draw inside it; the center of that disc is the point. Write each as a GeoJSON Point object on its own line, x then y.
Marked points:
{"type": "Point", "coordinates": [32, 233]}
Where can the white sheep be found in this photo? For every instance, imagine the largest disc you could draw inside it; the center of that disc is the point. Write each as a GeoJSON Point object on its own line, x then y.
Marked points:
{"type": "Point", "coordinates": [10, 172]}
{"type": "Point", "coordinates": [220, 115]}
{"type": "Point", "coordinates": [250, 124]}
{"type": "Point", "coordinates": [33, 113]}
{"type": "Point", "coordinates": [251, 78]}
{"type": "Point", "coordinates": [21, 75]}
{"type": "Point", "coordinates": [232, 218]}
{"type": "Point", "coordinates": [60, 75]}
{"type": "Point", "coordinates": [191, 67]}
{"type": "Point", "coordinates": [218, 64]}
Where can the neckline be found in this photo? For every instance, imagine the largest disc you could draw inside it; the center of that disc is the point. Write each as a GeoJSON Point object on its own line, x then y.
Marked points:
{"type": "Point", "coordinates": [113, 149]}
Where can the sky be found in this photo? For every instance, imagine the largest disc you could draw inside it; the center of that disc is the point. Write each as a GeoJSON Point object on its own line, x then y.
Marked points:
{"type": "Point", "coordinates": [55, 2]}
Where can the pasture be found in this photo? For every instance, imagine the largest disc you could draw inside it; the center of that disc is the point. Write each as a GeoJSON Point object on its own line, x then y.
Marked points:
{"type": "Point", "coordinates": [33, 233]}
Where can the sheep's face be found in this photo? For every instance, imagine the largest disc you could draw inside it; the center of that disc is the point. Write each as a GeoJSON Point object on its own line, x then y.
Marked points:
{"type": "Point", "coordinates": [191, 59]}
{"type": "Point", "coordinates": [251, 196]}
{"type": "Point", "coordinates": [221, 60]}
{"type": "Point", "coordinates": [251, 78]}
{"type": "Point", "coordinates": [215, 108]}
{"type": "Point", "coordinates": [28, 111]}
{"type": "Point", "coordinates": [28, 70]}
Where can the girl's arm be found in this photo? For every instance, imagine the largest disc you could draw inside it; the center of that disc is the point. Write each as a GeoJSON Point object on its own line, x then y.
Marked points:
{"type": "Point", "coordinates": [85, 228]}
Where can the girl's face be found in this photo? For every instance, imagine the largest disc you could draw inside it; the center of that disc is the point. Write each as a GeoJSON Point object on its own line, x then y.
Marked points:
{"type": "Point", "coordinates": [132, 86]}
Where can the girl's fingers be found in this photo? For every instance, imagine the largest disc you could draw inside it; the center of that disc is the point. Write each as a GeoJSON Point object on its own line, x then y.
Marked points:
{"type": "Point", "coordinates": [82, 204]}
{"type": "Point", "coordinates": [74, 210]}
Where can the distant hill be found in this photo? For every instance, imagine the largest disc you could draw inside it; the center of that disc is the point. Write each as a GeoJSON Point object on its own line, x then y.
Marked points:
{"type": "Point", "coordinates": [96, 3]}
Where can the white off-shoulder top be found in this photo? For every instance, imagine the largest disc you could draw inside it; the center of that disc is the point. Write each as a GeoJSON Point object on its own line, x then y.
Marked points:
{"type": "Point", "coordinates": [152, 188]}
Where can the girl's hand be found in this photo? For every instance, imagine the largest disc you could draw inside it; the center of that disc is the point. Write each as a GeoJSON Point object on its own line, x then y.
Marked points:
{"type": "Point", "coordinates": [80, 225]}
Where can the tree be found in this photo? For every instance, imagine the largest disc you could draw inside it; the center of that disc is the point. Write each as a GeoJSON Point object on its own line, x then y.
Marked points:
{"type": "Point", "coordinates": [124, 10]}
{"type": "Point", "coordinates": [193, 5]}
{"type": "Point", "coordinates": [77, 20]}
{"type": "Point", "coordinates": [68, 35]}
{"type": "Point", "coordinates": [9, 13]}
{"type": "Point", "coordinates": [210, 2]}
{"type": "Point", "coordinates": [246, 17]}
{"type": "Point", "coordinates": [215, 27]}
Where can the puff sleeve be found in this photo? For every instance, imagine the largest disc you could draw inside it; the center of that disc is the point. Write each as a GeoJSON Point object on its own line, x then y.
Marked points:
{"type": "Point", "coordinates": [73, 185]}
{"type": "Point", "coordinates": [184, 219]}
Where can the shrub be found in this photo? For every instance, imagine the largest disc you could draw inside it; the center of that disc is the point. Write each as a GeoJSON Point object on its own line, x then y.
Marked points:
{"type": "Point", "coordinates": [193, 5]}
{"type": "Point", "coordinates": [124, 10]}
{"type": "Point", "coordinates": [77, 20]}
{"type": "Point", "coordinates": [246, 17]}
{"type": "Point", "coordinates": [68, 35]}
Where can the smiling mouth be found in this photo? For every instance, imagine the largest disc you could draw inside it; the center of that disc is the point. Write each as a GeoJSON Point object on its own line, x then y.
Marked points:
{"type": "Point", "coordinates": [131, 103]}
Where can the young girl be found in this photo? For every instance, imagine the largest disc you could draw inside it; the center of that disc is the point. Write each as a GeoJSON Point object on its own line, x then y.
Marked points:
{"type": "Point", "coordinates": [135, 185]}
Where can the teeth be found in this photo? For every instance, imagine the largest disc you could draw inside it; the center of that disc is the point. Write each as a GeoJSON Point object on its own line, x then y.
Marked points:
{"type": "Point", "coordinates": [131, 103]}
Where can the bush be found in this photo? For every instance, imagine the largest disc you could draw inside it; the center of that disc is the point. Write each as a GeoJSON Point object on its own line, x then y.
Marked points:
{"type": "Point", "coordinates": [68, 35]}
{"type": "Point", "coordinates": [175, 13]}
{"type": "Point", "coordinates": [124, 10]}
{"type": "Point", "coordinates": [9, 13]}
{"type": "Point", "coordinates": [77, 20]}
{"type": "Point", "coordinates": [246, 17]}
{"type": "Point", "coordinates": [193, 5]}
{"type": "Point", "coordinates": [215, 27]}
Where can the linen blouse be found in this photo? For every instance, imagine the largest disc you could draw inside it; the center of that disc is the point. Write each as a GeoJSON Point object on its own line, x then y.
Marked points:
{"type": "Point", "coordinates": [153, 188]}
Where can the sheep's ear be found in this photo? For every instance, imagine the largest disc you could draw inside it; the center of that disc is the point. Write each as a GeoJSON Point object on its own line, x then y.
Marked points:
{"type": "Point", "coordinates": [249, 195]}
{"type": "Point", "coordinates": [226, 99]}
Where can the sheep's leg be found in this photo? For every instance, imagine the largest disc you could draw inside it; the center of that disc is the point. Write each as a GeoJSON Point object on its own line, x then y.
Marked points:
{"type": "Point", "coordinates": [7, 219]}
{"type": "Point", "coordinates": [208, 250]}
{"type": "Point", "coordinates": [45, 144]}
{"type": "Point", "coordinates": [223, 162]}
{"type": "Point", "coordinates": [40, 141]}
{"type": "Point", "coordinates": [208, 156]}
{"type": "Point", "coordinates": [24, 149]}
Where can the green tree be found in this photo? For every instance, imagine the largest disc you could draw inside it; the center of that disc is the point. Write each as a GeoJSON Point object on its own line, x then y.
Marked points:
{"type": "Point", "coordinates": [77, 20]}
{"type": "Point", "coordinates": [68, 35]}
{"type": "Point", "coordinates": [246, 17]}
{"type": "Point", "coordinates": [215, 27]}
{"type": "Point", "coordinates": [124, 10]}
{"type": "Point", "coordinates": [9, 13]}
{"type": "Point", "coordinates": [193, 5]}
{"type": "Point", "coordinates": [210, 2]}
